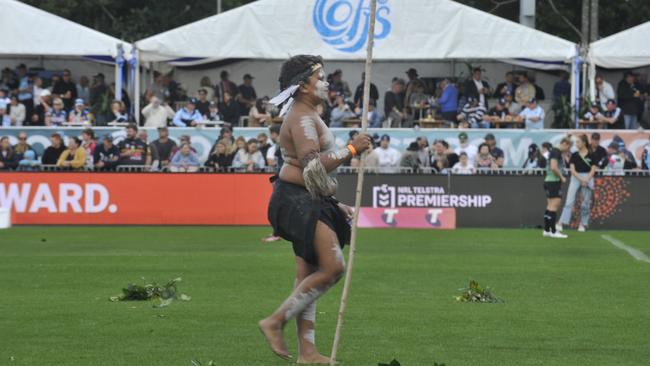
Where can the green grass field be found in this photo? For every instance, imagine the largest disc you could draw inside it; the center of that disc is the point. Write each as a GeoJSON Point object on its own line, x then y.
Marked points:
{"type": "Point", "coordinates": [579, 301]}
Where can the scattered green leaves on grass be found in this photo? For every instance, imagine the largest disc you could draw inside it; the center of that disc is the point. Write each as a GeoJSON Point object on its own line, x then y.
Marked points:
{"type": "Point", "coordinates": [476, 293]}
{"type": "Point", "coordinates": [161, 295]}
{"type": "Point", "coordinates": [198, 363]}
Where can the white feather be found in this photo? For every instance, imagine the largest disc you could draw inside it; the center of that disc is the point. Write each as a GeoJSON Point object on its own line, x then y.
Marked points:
{"type": "Point", "coordinates": [284, 95]}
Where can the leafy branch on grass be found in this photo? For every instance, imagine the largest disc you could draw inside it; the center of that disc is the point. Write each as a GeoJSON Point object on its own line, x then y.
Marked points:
{"type": "Point", "coordinates": [161, 295]}
{"type": "Point", "coordinates": [198, 363]}
{"type": "Point", "coordinates": [476, 293]}
{"type": "Point", "coordinates": [394, 362]}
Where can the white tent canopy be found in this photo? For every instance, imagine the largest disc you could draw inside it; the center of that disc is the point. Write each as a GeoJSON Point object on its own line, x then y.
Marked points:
{"type": "Point", "coordinates": [406, 30]}
{"type": "Point", "coordinates": [27, 30]}
{"type": "Point", "coordinates": [626, 49]}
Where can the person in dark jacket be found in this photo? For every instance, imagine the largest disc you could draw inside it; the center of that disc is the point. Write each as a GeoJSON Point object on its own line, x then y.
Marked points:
{"type": "Point", "coordinates": [53, 152]}
{"type": "Point", "coordinates": [8, 160]}
{"type": "Point", "coordinates": [107, 155]}
{"type": "Point", "coordinates": [229, 109]}
{"type": "Point", "coordinates": [629, 99]}
{"type": "Point", "coordinates": [219, 159]}
{"type": "Point", "coordinates": [478, 88]}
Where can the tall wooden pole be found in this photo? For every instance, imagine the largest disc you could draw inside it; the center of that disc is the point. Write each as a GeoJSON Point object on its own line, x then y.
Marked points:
{"type": "Point", "coordinates": [357, 202]}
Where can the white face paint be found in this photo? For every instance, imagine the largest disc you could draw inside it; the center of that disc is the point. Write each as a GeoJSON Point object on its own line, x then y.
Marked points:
{"type": "Point", "coordinates": [321, 85]}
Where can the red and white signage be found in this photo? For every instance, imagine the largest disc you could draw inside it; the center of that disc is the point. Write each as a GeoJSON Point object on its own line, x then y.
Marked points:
{"type": "Point", "coordinates": [401, 217]}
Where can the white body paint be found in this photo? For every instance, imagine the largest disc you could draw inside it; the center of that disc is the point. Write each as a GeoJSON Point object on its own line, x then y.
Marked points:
{"type": "Point", "coordinates": [309, 313]}
{"type": "Point", "coordinates": [297, 304]}
{"type": "Point", "coordinates": [310, 336]}
{"type": "Point", "coordinates": [309, 128]}
{"type": "Point", "coordinates": [338, 253]}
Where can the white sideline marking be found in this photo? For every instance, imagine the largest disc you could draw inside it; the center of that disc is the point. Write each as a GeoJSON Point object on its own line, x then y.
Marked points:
{"type": "Point", "coordinates": [637, 254]}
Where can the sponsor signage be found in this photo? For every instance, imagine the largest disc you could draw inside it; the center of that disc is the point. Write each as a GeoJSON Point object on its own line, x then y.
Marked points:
{"type": "Point", "coordinates": [414, 218]}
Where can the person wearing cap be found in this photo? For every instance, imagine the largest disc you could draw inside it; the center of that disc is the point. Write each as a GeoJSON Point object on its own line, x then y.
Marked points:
{"type": "Point", "coordinates": [337, 83]}
{"type": "Point", "coordinates": [225, 86]}
{"type": "Point", "coordinates": [593, 114]}
{"type": "Point", "coordinates": [532, 116]}
{"type": "Point", "coordinates": [188, 116]}
{"type": "Point", "coordinates": [598, 152]}
{"type": "Point", "coordinates": [472, 113]}
{"type": "Point", "coordinates": [66, 89]}
{"type": "Point", "coordinates": [413, 79]}
{"type": "Point", "coordinates": [213, 112]}
{"type": "Point", "coordinates": [247, 96]}
{"type": "Point", "coordinates": [157, 114]}
{"type": "Point", "coordinates": [613, 116]}
{"type": "Point", "coordinates": [15, 110]}
{"type": "Point", "coordinates": [464, 146]}
{"type": "Point", "coordinates": [495, 151]}
{"type": "Point", "coordinates": [389, 157]}
{"type": "Point", "coordinates": [358, 93]}
{"type": "Point", "coordinates": [79, 114]}
{"type": "Point", "coordinates": [98, 94]}
{"type": "Point", "coordinates": [525, 91]}
{"type": "Point", "coordinates": [604, 91]}
{"type": "Point", "coordinates": [497, 113]}
{"type": "Point", "coordinates": [478, 88]}
{"type": "Point", "coordinates": [106, 155]}
{"type": "Point", "coordinates": [630, 99]}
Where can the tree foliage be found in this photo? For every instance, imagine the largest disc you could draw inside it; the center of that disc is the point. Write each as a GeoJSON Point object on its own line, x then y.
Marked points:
{"type": "Point", "coordinates": [132, 20]}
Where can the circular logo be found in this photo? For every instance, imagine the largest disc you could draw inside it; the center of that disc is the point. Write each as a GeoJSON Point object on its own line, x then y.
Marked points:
{"type": "Point", "coordinates": [343, 24]}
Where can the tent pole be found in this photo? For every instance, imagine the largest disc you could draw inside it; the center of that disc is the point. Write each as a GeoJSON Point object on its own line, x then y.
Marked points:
{"type": "Point", "coordinates": [136, 86]}
{"type": "Point", "coordinates": [574, 86]}
{"type": "Point", "coordinates": [592, 81]}
{"type": "Point", "coordinates": [117, 68]}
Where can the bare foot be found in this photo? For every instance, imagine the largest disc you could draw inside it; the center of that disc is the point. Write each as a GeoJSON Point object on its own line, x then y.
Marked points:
{"type": "Point", "coordinates": [313, 359]}
{"type": "Point", "coordinates": [272, 331]}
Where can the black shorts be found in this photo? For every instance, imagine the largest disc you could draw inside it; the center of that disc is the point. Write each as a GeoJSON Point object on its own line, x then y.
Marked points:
{"type": "Point", "coordinates": [293, 213]}
{"type": "Point", "coordinates": [553, 189]}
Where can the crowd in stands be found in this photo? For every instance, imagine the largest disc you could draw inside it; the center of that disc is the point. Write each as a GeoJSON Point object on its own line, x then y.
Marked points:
{"type": "Point", "coordinates": [137, 152]}
{"type": "Point", "coordinates": [27, 99]}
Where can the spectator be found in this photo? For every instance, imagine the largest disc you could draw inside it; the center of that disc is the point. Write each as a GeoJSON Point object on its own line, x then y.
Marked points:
{"type": "Point", "coordinates": [263, 144]}
{"type": "Point", "coordinates": [598, 152]}
{"type": "Point", "coordinates": [133, 151]}
{"type": "Point", "coordinates": [273, 155]}
{"type": "Point", "coordinates": [66, 89]}
{"type": "Point", "coordinates": [226, 86]}
{"type": "Point", "coordinates": [513, 107]}
{"type": "Point", "coordinates": [118, 112]}
{"type": "Point", "coordinates": [106, 155]}
{"type": "Point", "coordinates": [53, 152]}
{"type": "Point", "coordinates": [152, 160]}
{"type": "Point", "coordinates": [58, 116]}
{"type": "Point", "coordinates": [229, 109]}
{"type": "Point", "coordinates": [466, 147]}
{"type": "Point", "coordinates": [55, 79]}
{"type": "Point", "coordinates": [29, 162]}
{"type": "Point", "coordinates": [508, 86]}
{"type": "Point", "coordinates": [583, 167]}
{"type": "Point", "coordinates": [498, 113]}
{"type": "Point", "coordinates": [410, 157]}
{"type": "Point", "coordinates": [37, 89]}
{"type": "Point", "coordinates": [388, 157]}
{"type": "Point", "coordinates": [219, 158]}
{"type": "Point", "coordinates": [441, 150]}
{"type": "Point", "coordinates": [539, 92]}
{"type": "Point", "coordinates": [328, 105]}
{"type": "Point", "coordinates": [472, 113]}
{"type": "Point", "coordinates": [88, 143]}
{"type": "Point", "coordinates": [615, 160]}
{"type": "Point", "coordinates": [206, 84]}
{"type": "Point", "coordinates": [185, 161]}
{"type": "Point", "coordinates": [8, 159]}
{"type": "Point", "coordinates": [247, 96]}
{"type": "Point", "coordinates": [157, 114]}
{"type": "Point", "coordinates": [645, 157]}
{"type": "Point", "coordinates": [203, 104]}
{"type": "Point", "coordinates": [337, 83]}
{"type": "Point", "coordinates": [561, 89]}
{"type": "Point", "coordinates": [5, 120]}
{"type": "Point", "coordinates": [79, 115]}
{"type": "Point", "coordinates": [441, 165]}
{"type": "Point", "coordinates": [374, 120]}
{"type": "Point", "coordinates": [424, 153]}
{"type": "Point", "coordinates": [17, 112]}
{"type": "Point", "coordinates": [342, 112]}
{"type": "Point", "coordinates": [83, 88]}
{"type": "Point", "coordinates": [159, 88]}
{"type": "Point", "coordinates": [413, 78]}
{"type": "Point", "coordinates": [248, 157]}
{"type": "Point", "coordinates": [173, 89]}
{"type": "Point", "coordinates": [74, 157]}
{"type": "Point", "coordinates": [226, 133]}
{"type": "Point", "coordinates": [258, 116]}
{"type": "Point", "coordinates": [484, 159]}
{"type": "Point", "coordinates": [448, 101]}
{"type": "Point", "coordinates": [613, 116]}
{"type": "Point", "coordinates": [22, 146]}
{"type": "Point", "coordinates": [593, 114]}
{"type": "Point", "coordinates": [25, 89]}
{"type": "Point", "coordinates": [629, 99]}
{"type": "Point", "coordinates": [535, 159]}
{"type": "Point", "coordinates": [4, 98]}
{"type": "Point", "coordinates": [463, 167]}
{"type": "Point", "coordinates": [525, 91]}
{"type": "Point", "coordinates": [42, 109]}
{"type": "Point", "coordinates": [188, 115]}
{"type": "Point", "coordinates": [418, 100]}
{"type": "Point", "coordinates": [604, 91]}
{"type": "Point", "coordinates": [214, 115]}
{"type": "Point", "coordinates": [98, 100]}
{"type": "Point", "coordinates": [533, 116]}
{"type": "Point", "coordinates": [164, 146]}
{"type": "Point", "coordinates": [358, 93]}
{"type": "Point", "coordinates": [394, 104]}
{"type": "Point", "coordinates": [478, 88]}
{"type": "Point", "coordinates": [546, 150]}
{"type": "Point", "coordinates": [496, 152]}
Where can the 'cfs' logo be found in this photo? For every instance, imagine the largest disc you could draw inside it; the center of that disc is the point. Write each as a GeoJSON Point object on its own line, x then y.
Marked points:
{"type": "Point", "coordinates": [343, 24]}
{"type": "Point", "coordinates": [383, 196]}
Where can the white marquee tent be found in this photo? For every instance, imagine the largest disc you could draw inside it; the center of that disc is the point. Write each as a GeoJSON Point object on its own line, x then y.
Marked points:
{"type": "Point", "coordinates": [626, 49]}
{"type": "Point", "coordinates": [406, 30]}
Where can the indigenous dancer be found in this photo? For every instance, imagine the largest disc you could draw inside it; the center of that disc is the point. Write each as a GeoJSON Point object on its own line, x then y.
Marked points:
{"type": "Point", "coordinates": [303, 209]}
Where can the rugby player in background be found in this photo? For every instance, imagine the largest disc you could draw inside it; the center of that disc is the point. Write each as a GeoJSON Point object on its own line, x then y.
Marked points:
{"type": "Point", "coordinates": [553, 188]}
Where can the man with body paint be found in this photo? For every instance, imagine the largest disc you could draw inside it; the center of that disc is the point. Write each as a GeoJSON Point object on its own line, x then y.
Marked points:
{"type": "Point", "coordinates": [303, 209]}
